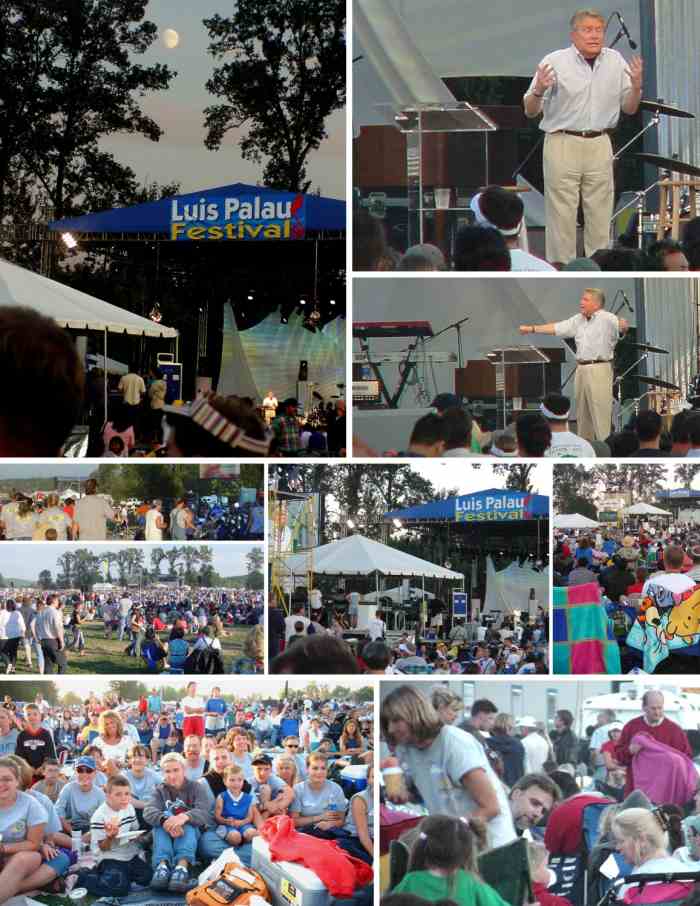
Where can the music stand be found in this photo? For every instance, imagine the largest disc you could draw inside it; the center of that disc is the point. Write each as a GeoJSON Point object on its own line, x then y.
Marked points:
{"type": "Point", "coordinates": [417, 120]}
{"type": "Point", "coordinates": [510, 356]}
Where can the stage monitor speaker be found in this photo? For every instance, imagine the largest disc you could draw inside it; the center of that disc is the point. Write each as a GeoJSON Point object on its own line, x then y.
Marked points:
{"type": "Point", "coordinates": [303, 370]}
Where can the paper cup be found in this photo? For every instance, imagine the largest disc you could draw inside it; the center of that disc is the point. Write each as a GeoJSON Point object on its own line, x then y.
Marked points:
{"type": "Point", "coordinates": [394, 782]}
{"type": "Point", "coordinates": [442, 199]}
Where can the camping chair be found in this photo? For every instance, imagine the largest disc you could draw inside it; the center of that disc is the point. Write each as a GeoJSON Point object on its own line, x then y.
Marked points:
{"type": "Point", "coordinates": [671, 889]}
{"type": "Point", "coordinates": [399, 857]}
{"type": "Point", "coordinates": [507, 870]}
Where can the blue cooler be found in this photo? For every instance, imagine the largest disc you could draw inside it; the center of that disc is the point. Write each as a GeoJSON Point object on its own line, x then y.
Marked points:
{"type": "Point", "coordinates": [354, 778]}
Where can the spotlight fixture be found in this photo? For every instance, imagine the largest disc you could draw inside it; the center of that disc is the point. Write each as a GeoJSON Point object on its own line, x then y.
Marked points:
{"type": "Point", "coordinates": [332, 302]}
{"type": "Point", "coordinates": [69, 240]}
{"type": "Point", "coordinates": [302, 301]}
{"type": "Point", "coordinates": [155, 313]}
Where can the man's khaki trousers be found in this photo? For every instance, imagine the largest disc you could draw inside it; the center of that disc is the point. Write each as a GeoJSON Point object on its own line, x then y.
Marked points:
{"type": "Point", "coordinates": [594, 399]}
{"type": "Point", "coordinates": [576, 167]}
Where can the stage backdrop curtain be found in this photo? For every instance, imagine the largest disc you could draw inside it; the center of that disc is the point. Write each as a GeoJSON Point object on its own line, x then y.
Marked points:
{"type": "Point", "coordinates": [509, 589]}
{"type": "Point", "coordinates": [268, 355]}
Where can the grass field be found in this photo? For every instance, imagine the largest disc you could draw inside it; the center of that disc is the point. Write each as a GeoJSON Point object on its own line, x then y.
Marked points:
{"type": "Point", "coordinates": [107, 655]}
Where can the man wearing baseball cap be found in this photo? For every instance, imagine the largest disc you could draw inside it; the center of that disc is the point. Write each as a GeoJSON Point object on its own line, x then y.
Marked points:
{"type": "Point", "coordinates": [273, 796]}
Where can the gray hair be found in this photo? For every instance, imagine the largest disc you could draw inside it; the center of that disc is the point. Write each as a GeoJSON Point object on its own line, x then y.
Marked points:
{"type": "Point", "coordinates": [586, 13]}
{"type": "Point", "coordinates": [598, 293]}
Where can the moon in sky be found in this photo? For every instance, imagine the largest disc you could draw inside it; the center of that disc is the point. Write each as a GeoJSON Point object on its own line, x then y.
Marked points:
{"type": "Point", "coordinates": [170, 38]}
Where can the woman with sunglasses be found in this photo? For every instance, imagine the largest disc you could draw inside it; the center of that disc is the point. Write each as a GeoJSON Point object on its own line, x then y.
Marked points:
{"type": "Point", "coordinates": [292, 748]}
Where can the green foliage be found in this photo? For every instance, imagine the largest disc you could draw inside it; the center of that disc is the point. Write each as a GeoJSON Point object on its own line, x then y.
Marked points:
{"type": "Point", "coordinates": [70, 77]}
{"type": "Point", "coordinates": [284, 73]}
{"type": "Point", "coordinates": [517, 476]}
{"type": "Point", "coordinates": [26, 690]}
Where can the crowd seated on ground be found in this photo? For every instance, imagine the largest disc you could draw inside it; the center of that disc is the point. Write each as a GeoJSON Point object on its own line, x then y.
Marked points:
{"type": "Point", "coordinates": [497, 241]}
{"type": "Point", "coordinates": [646, 578]}
{"type": "Point", "coordinates": [455, 431]}
{"type": "Point", "coordinates": [550, 817]}
{"type": "Point", "coordinates": [297, 644]}
{"type": "Point", "coordinates": [165, 630]}
{"type": "Point", "coordinates": [121, 797]}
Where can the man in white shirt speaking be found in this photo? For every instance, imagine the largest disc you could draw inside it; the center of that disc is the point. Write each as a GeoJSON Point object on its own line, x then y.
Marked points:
{"type": "Point", "coordinates": [580, 92]}
{"type": "Point", "coordinates": [596, 333]}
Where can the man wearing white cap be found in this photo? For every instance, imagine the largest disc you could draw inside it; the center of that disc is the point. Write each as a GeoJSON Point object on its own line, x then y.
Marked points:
{"type": "Point", "coordinates": [555, 407]}
{"type": "Point", "coordinates": [537, 750]}
{"type": "Point", "coordinates": [503, 210]}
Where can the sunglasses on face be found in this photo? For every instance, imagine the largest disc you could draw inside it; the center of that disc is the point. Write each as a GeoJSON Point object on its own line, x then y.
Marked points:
{"type": "Point", "coordinates": [84, 771]}
{"type": "Point", "coordinates": [291, 745]}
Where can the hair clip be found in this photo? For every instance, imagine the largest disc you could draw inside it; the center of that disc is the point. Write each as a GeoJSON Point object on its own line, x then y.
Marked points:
{"type": "Point", "coordinates": [661, 817]}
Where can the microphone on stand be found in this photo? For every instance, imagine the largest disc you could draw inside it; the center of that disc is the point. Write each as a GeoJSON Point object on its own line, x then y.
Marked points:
{"type": "Point", "coordinates": [627, 301]}
{"type": "Point", "coordinates": [623, 25]}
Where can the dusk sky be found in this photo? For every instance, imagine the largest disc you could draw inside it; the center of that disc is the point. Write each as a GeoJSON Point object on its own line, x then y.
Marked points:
{"type": "Point", "coordinates": [180, 155]}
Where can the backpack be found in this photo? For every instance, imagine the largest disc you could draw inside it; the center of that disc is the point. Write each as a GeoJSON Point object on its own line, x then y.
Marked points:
{"type": "Point", "coordinates": [235, 885]}
{"type": "Point", "coordinates": [208, 661]}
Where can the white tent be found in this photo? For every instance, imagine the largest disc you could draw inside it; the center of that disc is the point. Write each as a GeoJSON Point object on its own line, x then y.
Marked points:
{"type": "Point", "coordinates": [71, 308]}
{"type": "Point", "coordinates": [645, 509]}
{"type": "Point", "coordinates": [574, 521]}
{"type": "Point", "coordinates": [360, 556]}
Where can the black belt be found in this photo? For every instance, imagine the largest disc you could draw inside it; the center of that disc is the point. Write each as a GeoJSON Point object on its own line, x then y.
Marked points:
{"type": "Point", "coordinates": [595, 362]}
{"type": "Point", "coordinates": [585, 134]}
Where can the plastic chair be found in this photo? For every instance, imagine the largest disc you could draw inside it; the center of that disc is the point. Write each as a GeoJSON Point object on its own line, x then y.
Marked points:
{"type": "Point", "coordinates": [399, 857]}
{"type": "Point", "coordinates": [507, 870]}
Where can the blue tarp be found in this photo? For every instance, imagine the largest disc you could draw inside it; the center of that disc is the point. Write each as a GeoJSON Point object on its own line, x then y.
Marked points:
{"type": "Point", "coordinates": [492, 505]}
{"type": "Point", "coordinates": [677, 493]}
{"type": "Point", "coordinates": [156, 216]}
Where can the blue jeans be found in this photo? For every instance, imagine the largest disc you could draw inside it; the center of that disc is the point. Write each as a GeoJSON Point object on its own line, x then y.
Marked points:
{"type": "Point", "coordinates": [211, 845]}
{"type": "Point", "coordinates": [172, 849]}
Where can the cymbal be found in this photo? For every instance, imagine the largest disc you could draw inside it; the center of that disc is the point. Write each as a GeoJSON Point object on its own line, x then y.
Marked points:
{"type": "Point", "coordinates": [668, 163]}
{"type": "Point", "coordinates": [668, 109]}
{"type": "Point", "coordinates": [657, 382]}
{"type": "Point", "coordinates": [647, 347]}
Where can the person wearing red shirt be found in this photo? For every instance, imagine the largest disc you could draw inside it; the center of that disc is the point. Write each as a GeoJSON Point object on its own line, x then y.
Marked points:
{"type": "Point", "coordinates": [654, 723]}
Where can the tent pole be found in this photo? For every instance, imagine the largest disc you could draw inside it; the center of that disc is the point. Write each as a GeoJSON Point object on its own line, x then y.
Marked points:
{"type": "Point", "coordinates": [105, 376]}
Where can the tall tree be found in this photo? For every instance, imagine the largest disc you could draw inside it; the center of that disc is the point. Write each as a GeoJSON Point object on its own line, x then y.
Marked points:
{"type": "Point", "coordinates": [284, 74]}
{"type": "Point", "coordinates": [574, 487]}
{"type": "Point", "coordinates": [255, 559]}
{"type": "Point", "coordinates": [685, 473]}
{"type": "Point", "coordinates": [517, 476]}
{"type": "Point", "coordinates": [45, 580]}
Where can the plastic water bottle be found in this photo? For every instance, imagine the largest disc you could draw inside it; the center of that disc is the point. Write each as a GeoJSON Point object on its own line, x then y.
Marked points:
{"type": "Point", "coordinates": [76, 839]}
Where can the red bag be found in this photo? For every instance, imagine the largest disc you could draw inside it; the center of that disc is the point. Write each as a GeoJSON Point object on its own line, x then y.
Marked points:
{"type": "Point", "coordinates": [340, 872]}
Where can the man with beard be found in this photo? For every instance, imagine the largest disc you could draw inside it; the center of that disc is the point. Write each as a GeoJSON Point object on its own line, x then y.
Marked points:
{"type": "Point", "coordinates": [532, 797]}
{"type": "Point", "coordinates": [654, 723]}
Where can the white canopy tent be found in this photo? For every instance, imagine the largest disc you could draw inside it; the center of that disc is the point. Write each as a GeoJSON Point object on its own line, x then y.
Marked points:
{"type": "Point", "coordinates": [645, 509]}
{"type": "Point", "coordinates": [574, 521]}
{"type": "Point", "coordinates": [71, 308]}
{"type": "Point", "coordinates": [360, 556]}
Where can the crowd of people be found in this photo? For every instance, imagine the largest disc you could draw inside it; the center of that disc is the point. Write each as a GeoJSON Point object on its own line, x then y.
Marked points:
{"type": "Point", "coordinates": [301, 644]}
{"type": "Point", "coordinates": [118, 797]}
{"type": "Point", "coordinates": [453, 430]}
{"type": "Point", "coordinates": [624, 793]}
{"type": "Point", "coordinates": [647, 581]}
{"type": "Point", "coordinates": [41, 357]}
{"type": "Point", "coordinates": [93, 516]}
{"type": "Point", "coordinates": [496, 241]}
{"type": "Point", "coordinates": [165, 630]}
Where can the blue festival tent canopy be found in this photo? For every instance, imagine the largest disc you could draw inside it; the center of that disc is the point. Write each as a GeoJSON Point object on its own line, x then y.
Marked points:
{"type": "Point", "coordinates": [321, 214]}
{"type": "Point", "coordinates": [492, 505]}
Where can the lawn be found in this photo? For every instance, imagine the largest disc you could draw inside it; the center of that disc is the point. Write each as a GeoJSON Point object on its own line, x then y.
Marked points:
{"type": "Point", "coordinates": [107, 655]}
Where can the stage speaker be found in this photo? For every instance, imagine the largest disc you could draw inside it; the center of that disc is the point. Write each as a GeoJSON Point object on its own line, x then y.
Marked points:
{"type": "Point", "coordinates": [303, 370]}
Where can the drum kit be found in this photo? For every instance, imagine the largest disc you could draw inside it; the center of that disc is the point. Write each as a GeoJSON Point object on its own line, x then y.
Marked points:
{"type": "Point", "coordinates": [664, 397]}
{"type": "Point", "coordinates": [647, 221]}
